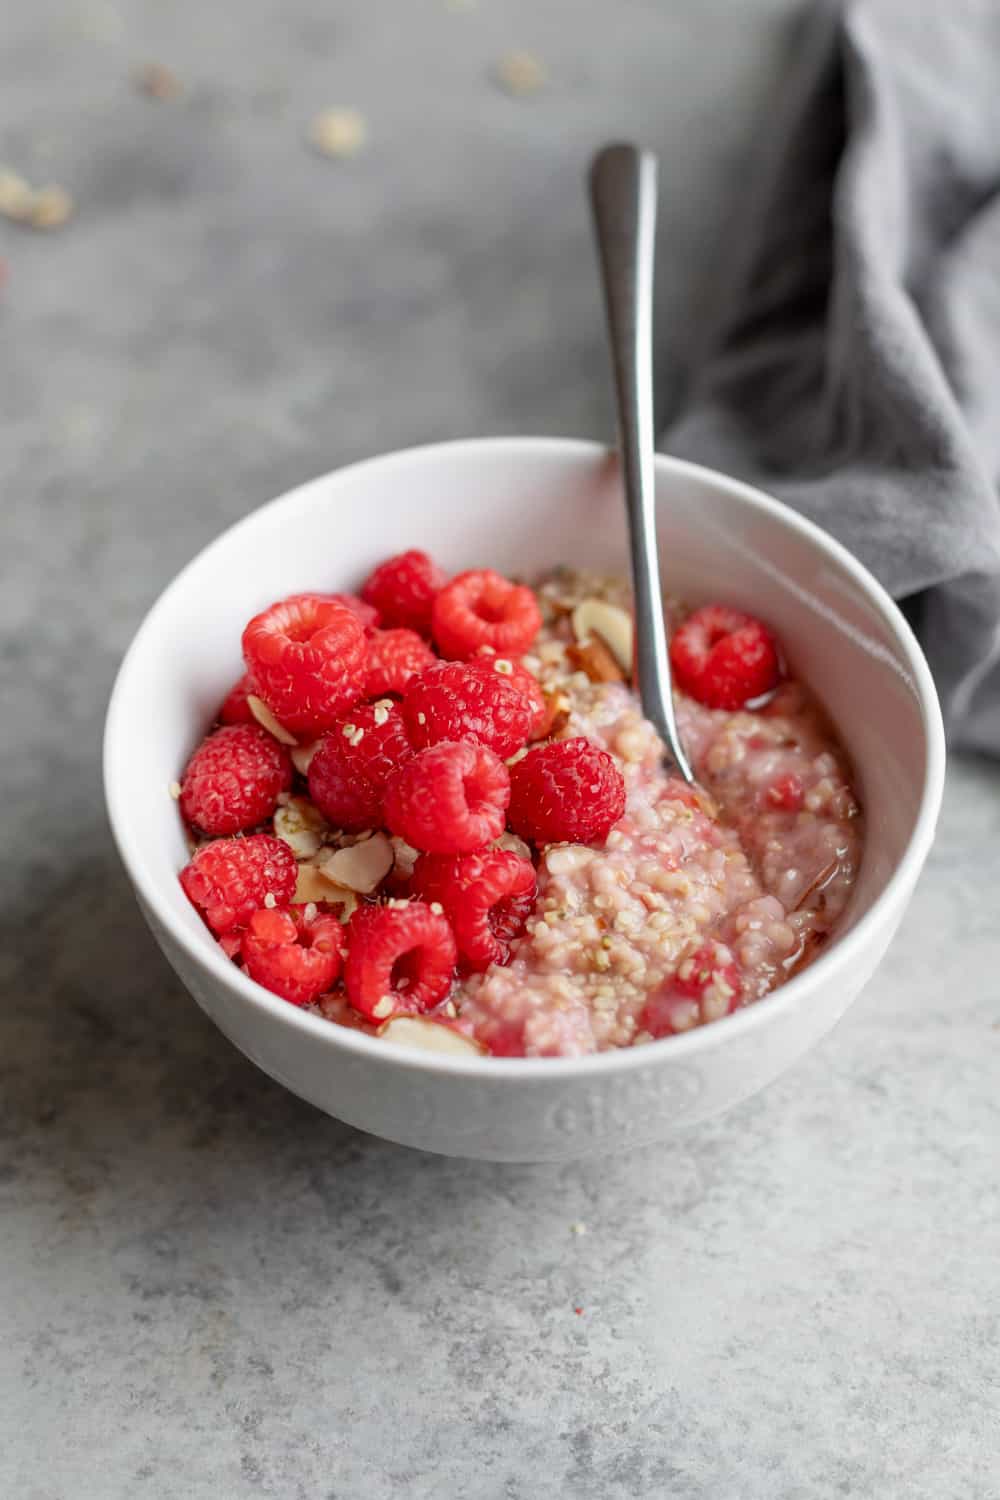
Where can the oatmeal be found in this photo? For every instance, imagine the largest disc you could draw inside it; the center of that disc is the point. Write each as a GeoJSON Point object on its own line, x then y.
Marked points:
{"type": "Point", "coordinates": [723, 863]}
{"type": "Point", "coordinates": [440, 803]}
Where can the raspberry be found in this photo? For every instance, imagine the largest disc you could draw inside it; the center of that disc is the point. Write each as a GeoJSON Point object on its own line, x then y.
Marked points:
{"type": "Point", "coordinates": [706, 986]}
{"type": "Point", "coordinates": [517, 674]}
{"type": "Point", "coordinates": [394, 656]}
{"type": "Point", "coordinates": [567, 791]}
{"type": "Point", "coordinates": [403, 589]}
{"type": "Point", "coordinates": [235, 709]}
{"type": "Point", "coordinates": [467, 700]}
{"type": "Point", "coordinates": [233, 779]}
{"type": "Point", "coordinates": [724, 658]}
{"type": "Point", "coordinates": [348, 772]}
{"type": "Point", "coordinates": [306, 656]}
{"type": "Point", "coordinates": [292, 957]}
{"type": "Point", "coordinates": [229, 879]}
{"type": "Point", "coordinates": [400, 960]}
{"type": "Point", "coordinates": [486, 897]}
{"type": "Point", "coordinates": [367, 617]}
{"type": "Point", "coordinates": [449, 799]}
{"type": "Point", "coordinates": [481, 608]}
{"type": "Point", "coordinates": [785, 792]}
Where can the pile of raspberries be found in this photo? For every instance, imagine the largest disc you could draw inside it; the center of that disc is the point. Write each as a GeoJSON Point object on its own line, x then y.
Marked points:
{"type": "Point", "coordinates": [418, 712]}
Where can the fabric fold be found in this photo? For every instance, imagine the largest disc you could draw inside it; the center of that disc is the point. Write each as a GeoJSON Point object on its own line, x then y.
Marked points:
{"type": "Point", "coordinates": [854, 368]}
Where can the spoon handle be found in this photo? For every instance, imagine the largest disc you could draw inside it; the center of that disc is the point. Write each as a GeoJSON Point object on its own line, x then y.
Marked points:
{"type": "Point", "coordinates": [623, 198]}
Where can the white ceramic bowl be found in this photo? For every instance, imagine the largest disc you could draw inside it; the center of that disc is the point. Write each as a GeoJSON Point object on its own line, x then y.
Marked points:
{"type": "Point", "coordinates": [521, 505]}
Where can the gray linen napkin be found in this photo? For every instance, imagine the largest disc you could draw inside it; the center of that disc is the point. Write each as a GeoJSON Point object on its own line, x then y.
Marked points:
{"type": "Point", "coordinates": [855, 368]}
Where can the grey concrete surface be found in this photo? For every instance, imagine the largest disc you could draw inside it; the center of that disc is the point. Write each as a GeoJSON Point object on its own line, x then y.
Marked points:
{"type": "Point", "coordinates": [206, 1288]}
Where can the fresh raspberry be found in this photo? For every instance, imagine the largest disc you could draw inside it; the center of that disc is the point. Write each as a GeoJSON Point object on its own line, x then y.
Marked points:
{"type": "Point", "coordinates": [367, 617]}
{"type": "Point", "coordinates": [234, 778]}
{"type": "Point", "coordinates": [348, 772]}
{"type": "Point", "coordinates": [306, 656]}
{"type": "Point", "coordinates": [482, 608]}
{"type": "Point", "coordinates": [400, 960]}
{"type": "Point", "coordinates": [706, 986]}
{"type": "Point", "coordinates": [394, 657]}
{"type": "Point", "coordinates": [785, 792]}
{"type": "Point", "coordinates": [449, 799]}
{"type": "Point", "coordinates": [517, 674]}
{"type": "Point", "coordinates": [345, 803]}
{"type": "Point", "coordinates": [467, 700]}
{"type": "Point", "coordinates": [292, 957]}
{"type": "Point", "coordinates": [724, 658]}
{"type": "Point", "coordinates": [235, 709]}
{"type": "Point", "coordinates": [567, 791]}
{"type": "Point", "coordinates": [403, 589]}
{"type": "Point", "coordinates": [229, 879]}
{"type": "Point", "coordinates": [487, 898]}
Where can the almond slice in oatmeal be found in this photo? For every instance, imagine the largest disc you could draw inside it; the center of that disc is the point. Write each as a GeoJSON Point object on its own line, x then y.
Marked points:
{"type": "Point", "coordinates": [557, 712]}
{"type": "Point", "coordinates": [566, 859]}
{"type": "Point", "coordinates": [301, 825]}
{"type": "Point", "coordinates": [302, 756]}
{"type": "Point", "coordinates": [429, 1036]}
{"type": "Point", "coordinates": [595, 660]}
{"type": "Point", "coordinates": [611, 625]}
{"type": "Point", "coordinates": [312, 885]}
{"type": "Point", "coordinates": [361, 867]}
{"type": "Point", "coordinates": [265, 718]}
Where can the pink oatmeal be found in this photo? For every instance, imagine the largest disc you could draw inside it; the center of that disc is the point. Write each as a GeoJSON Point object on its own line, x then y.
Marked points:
{"type": "Point", "coordinates": [612, 926]}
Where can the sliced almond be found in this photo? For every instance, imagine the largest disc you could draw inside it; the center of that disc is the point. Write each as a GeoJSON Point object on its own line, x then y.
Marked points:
{"type": "Point", "coordinates": [429, 1036]}
{"type": "Point", "coordinates": [595, 660]}
{"type": "Point", "coordinates": [302, 756]}
{"type": "Point", "coordinates": [347, 901]}
{"type": "Point", "coordinates": [312, 885]}
{"type": "Point", "coordinates": [611, 625]}
{"type": "Point", "coordinates": [557, 712]}
{"type": "Point", "coordinates": [361, 867]}
{"type": "Point", "coordinates": [301, 825]}
{"type": "Point", "coordinates": [265, 718]}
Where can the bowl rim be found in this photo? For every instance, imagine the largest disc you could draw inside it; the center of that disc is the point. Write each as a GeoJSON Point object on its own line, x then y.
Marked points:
{"type": "Point", "coordinates": [796, 991]}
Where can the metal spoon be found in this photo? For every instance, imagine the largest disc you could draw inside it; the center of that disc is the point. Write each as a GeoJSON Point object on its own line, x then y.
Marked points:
{"type": "Point", "coordinates": [623, 198]}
